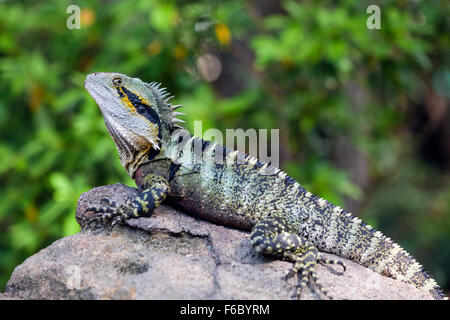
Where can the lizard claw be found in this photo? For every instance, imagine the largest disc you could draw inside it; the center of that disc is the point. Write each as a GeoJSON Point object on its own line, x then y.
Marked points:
{"type": "Point", "coordinates": [117, 220]}
{"type": "Point", "coordinates": [288, 275]}
{"type": "Point", "coordinates": [99, 209]}
{"type": "Point", "coordinates": [94, 220]}
{"type": "Point", "coordinates": [109, 202]}
{"type": "Point", "coordinates": [114, 214]}
{"type": "Point", "coordinates": [104, 214]}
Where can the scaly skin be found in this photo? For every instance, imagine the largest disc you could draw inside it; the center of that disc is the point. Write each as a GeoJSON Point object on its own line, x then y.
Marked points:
{"type": "Point", "coordinates": [229, 188]}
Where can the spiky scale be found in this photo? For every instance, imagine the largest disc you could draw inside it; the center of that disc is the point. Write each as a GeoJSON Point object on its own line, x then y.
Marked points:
{"type": "Point", "coordinates": [175, 107]}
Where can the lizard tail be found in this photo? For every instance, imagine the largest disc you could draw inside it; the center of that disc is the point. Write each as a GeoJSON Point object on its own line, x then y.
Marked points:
{"type": "Point", "coordinates": [348, 236]}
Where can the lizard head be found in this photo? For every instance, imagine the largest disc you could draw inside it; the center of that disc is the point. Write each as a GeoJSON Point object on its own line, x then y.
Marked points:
{"type": "Point", "coordinates": [138, 115]}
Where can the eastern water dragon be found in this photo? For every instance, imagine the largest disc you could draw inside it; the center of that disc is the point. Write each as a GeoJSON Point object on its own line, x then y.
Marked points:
{"type": "Point", "coordinates": [230, 188]}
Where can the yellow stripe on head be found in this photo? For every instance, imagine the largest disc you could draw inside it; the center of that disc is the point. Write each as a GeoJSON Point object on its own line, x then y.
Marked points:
{"type": "Point", "coordinates": [126, 100]}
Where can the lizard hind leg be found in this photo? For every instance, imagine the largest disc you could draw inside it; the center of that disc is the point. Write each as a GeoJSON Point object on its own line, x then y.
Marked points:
{"type": "Point", "coordinates": [271, 236]}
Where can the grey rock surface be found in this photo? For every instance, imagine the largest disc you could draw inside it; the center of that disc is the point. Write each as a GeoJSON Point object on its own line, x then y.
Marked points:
{"type": "Point", "coordinates": [174, 256]}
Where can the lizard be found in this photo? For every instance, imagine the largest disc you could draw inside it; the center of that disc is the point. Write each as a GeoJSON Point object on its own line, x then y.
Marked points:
{"type": "Point", "coordinates": [230, 188]}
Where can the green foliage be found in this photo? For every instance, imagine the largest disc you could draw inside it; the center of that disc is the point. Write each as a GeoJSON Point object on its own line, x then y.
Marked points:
{"type": "Point", "coordinates": [310, 68]}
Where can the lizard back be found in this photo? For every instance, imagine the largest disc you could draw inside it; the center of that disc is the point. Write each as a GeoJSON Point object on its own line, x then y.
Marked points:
{"type": "Point", "coordinates": [237, 190]}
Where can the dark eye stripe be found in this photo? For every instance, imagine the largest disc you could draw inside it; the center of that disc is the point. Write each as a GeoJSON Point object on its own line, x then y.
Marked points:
{"type": "Point", "coordinates": [141, 107]}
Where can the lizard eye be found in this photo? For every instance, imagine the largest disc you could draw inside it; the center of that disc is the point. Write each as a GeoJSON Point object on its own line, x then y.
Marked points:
{"type": "Point", "coordinates": [117, 81]}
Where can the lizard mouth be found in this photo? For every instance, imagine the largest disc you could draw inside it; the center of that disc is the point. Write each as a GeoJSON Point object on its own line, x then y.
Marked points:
{"type": "Point", "coordinates": [101, 94]}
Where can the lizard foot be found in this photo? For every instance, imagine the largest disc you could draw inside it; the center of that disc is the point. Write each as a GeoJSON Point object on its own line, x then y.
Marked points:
{"type": "Point", "coordinates": [304, 267]}
{"type": "Point", "coordinates": [114, 213]}
{"type": "Point", "coordinates": [272, 236]}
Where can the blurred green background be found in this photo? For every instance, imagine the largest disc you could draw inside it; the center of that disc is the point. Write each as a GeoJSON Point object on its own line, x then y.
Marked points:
{"type": "Point", "coordinates": [363, 114]}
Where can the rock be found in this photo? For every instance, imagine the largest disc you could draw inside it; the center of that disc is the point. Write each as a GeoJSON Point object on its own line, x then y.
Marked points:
{"type": "Point", "coordinates": [174, 256]}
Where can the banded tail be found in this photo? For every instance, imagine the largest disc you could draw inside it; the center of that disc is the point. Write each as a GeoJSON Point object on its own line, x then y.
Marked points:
{"type": "Point", "coordinates": [336, 231]}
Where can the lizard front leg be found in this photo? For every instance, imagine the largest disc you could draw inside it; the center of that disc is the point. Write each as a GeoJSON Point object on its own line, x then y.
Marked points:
{"type": "Point", "coordinates": [155, 190]}
{"type": "Point", "coordinates": [271, 236]}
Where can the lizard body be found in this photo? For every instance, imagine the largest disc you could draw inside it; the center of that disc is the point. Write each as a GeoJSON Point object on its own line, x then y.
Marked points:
{"type": "Point", "coordinates": [230, 188]}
